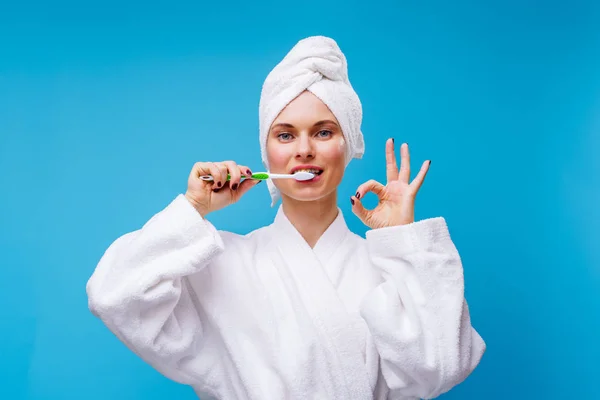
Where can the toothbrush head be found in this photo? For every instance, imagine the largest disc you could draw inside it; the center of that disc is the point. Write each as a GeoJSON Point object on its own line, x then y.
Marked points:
{"type": "Point", "coordinates": [303, 176]}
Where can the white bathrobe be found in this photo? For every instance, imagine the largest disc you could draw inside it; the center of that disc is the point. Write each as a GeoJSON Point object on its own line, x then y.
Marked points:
{"type": "Point", "coordinates": [263, 316]}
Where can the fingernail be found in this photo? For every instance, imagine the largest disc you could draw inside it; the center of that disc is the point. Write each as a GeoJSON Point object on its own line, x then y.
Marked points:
{"type": "Point", "coordinates": [248, 172]}
{"type": "Point", "coordinates": [235, 186]}
{"type": "Point", "coordinates": [218, 184]}
{"type": "Point", "coordinates": [429, 162]}
{"type": "Point", "coordinates": [357, 195]}
{"type": "Point", "coordinates": [352, 200]}
{"type": "Point", "coordinates": [392, 140]}
{"type": "Point", "coordinates": [215, 190]}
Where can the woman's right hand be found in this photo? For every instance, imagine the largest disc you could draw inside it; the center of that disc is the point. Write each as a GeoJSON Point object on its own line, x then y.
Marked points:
{"type": "Point", "coordinates": [207, 196]}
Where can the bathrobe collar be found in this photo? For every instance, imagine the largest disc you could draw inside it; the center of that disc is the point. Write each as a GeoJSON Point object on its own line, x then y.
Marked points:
{"type": "Point", "coordinates": [330, 240]}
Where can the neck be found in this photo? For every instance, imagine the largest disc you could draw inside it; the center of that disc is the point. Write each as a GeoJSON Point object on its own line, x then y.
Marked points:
{"type": "Point", "coordinates": [311, 218]}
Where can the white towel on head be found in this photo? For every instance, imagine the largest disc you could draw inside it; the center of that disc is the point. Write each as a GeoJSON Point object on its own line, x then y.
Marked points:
{"type": "Point", "coordinates": [318, 65]}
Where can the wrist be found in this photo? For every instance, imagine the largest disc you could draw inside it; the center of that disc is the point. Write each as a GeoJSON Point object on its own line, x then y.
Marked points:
{"type": "Point", "coordinates": [196, 205]}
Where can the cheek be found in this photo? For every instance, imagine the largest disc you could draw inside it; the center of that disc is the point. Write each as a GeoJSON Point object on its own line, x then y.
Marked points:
{"type": "Point", "coordinates": [278, 157]}
{"type": "Point", "coordinates": [336, 153]}
{"type": "Point", "coordinates": [342, 149]}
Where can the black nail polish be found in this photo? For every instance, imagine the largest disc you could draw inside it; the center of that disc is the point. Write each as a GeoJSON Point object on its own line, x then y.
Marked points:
{"type": "Point", "coordinates": [235, 186]}
{"type": "Point", "coordinates": [248, 172]}
{"type": "Point", "coordinates": [218, 184]}
{"type": "Point", "coordinates": [357, 195]}
{"type": "Point", "coordinates": [352, 200]}
{"type": "Point", "coordinates": [429, 162]}
{"type": "Point", "coordinates": [392, 140]}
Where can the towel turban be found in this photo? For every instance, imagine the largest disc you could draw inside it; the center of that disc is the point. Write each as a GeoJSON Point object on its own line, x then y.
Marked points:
{"type": "Point", "coordinates": [315, 64]}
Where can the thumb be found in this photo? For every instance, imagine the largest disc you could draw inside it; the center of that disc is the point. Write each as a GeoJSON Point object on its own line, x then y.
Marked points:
{"type": "Point", "coordinates": [246, 185]}
{"type": "Point", "coordinates": [359, 210]}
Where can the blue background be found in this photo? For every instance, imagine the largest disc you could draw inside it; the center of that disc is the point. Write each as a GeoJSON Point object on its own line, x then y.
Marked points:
{"type": "Point", "coordinates": [105, 106]}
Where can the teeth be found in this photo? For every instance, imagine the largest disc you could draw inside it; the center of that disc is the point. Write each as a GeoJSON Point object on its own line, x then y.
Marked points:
{"type": "Point", "coordinates": [313, 171]}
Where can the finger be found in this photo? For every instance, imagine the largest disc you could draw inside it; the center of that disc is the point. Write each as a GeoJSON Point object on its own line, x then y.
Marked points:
{"type": "Point", "coordinates": [370, 186]}
{"type": "Point", "coordinates": [245, 171]}
{"type": "Point", "coordinates": [390, 161]}
{"type": "Point", "coordinates": [236, 174]}
{"type": "Point", "coordinates": [202, 168]}
{"type": "Point", "coordinates": [217, 173]}
{"type": "Point", "coordinates": [198, 169]}
{"type": "Point", "coordinates": [418, 181]}
{"type": "Point", "coordinates": [245, 186]}
{"type": "Point", "coordinates": [359, 210]}
{"type": "Point", "coordinates": [223, 171]}
{"type": "Point", "coordinates": [404, 175]}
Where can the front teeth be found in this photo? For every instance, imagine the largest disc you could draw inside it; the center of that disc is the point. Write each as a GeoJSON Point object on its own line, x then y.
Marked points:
{"type": "Point", "coordinates": [312, 171]}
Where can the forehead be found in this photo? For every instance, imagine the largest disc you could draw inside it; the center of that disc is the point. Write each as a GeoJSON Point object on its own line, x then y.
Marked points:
{"type": "Point", "coordinates": [304, 109]}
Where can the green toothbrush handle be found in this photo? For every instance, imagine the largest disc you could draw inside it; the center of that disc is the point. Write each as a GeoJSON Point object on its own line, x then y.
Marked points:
{"type": "Point", "coordinates": [258, 176]}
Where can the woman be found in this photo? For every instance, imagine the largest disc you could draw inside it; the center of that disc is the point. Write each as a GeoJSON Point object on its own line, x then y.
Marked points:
{"type": "Point", "coordinates": [302, 308]}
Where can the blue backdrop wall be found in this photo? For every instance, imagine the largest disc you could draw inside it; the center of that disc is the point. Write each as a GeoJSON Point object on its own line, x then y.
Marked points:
{"type": "Point", "coordinates": [104, 107]}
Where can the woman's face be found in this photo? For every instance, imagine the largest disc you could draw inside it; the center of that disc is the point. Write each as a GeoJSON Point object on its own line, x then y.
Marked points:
{"type": "Point", "coordinates": [306, 135]}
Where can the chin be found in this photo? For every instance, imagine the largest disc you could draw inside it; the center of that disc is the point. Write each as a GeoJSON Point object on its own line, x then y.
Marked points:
{"type": "Point", "coordinates": [312, 190]}
{"type": "Point", "coordinates": [312, 194]}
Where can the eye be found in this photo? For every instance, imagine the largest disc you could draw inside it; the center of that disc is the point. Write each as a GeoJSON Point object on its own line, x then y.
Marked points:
{"type": "Point", "coordinates": [324, 133]}
{"type": "Point", "coordinates": [284, 136]}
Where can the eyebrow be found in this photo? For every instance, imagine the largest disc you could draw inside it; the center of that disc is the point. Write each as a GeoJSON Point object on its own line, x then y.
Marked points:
{"type": "Point", "coordinates": [286, 125]}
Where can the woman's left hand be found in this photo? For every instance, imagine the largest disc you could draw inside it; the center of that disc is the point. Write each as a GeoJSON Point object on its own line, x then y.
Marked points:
{"type": "Point", "coordinates": [397, 198]}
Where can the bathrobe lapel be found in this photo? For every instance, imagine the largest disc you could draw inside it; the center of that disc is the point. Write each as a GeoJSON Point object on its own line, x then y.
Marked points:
{"type": "Point", "coordinates": [309, 267]}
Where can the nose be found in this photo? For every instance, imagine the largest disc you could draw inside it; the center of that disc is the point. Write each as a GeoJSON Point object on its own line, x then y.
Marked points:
{"type": "Point", "coordinates": [305, 149]}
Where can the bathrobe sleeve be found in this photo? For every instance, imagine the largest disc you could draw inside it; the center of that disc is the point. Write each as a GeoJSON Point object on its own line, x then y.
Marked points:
{"type": "Point", "coordinates": [418, 316]}
{"type": "Point", "coordinates": [140, 291]}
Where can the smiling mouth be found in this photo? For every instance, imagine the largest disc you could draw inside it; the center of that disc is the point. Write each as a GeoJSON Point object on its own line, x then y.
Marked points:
{"type": "Point", "coordinates": [311, 170]}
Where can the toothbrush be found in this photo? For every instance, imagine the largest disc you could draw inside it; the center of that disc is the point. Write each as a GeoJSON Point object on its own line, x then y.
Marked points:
{"type": "Point", "coordinates": [299, 176]}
